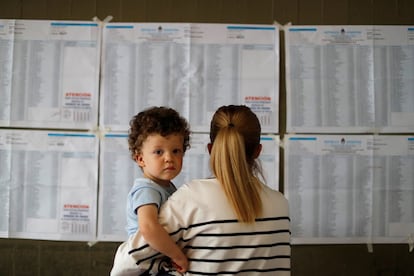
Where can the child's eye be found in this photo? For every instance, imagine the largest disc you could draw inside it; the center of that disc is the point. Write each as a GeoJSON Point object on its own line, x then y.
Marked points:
{"type": "Point", "coordinates": [158, 152]}
{"type": "Point", "coordinates": [177, 151]}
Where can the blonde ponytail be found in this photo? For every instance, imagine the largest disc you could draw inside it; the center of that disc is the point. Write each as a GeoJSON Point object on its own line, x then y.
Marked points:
{"type": "Point", "coordinates": [235, 137]}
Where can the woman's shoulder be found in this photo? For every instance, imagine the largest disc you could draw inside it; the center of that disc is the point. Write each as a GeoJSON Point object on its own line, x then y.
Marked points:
{"type": "Point", "coordinates": [200, 184]}
{"type": "Point", "coordinates": [196, 188]}
{"type": "Point", "coordinates": [196, 194]}
{"type": "Point", "coordinates": [274, 195]}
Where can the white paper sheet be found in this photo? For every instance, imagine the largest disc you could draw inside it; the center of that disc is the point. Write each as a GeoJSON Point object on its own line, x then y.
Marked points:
{"type": "Point", "coordinates": [48, 185]}
{"type": "Point", "coordinates": [194, 68]}
{"type": "Point", "coordinates": [355, 79]}
{"type": "Point", "coordinates": [49, 74]}
{"type": "Point", "coordinates": [350, 188]}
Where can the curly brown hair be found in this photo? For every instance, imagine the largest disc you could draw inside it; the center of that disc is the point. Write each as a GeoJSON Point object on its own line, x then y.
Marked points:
{"type": "Point", "coordinates": [156, 120]}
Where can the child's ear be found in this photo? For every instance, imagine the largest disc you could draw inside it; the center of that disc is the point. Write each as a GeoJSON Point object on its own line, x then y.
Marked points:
{"type": "Point", "coordinates": [139, 160]}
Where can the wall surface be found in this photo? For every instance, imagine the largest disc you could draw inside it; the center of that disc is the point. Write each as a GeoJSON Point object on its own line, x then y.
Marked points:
{"type": "Point", "coordinates": [29, 257]}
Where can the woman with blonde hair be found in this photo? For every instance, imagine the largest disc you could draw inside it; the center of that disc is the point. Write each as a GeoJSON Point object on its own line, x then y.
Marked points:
{"type": "Point", "coordinates": [230, 224]}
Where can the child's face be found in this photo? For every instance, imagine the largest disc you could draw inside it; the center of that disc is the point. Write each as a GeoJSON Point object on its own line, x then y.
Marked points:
{"type": "Point", "coordinates": [161, 158]}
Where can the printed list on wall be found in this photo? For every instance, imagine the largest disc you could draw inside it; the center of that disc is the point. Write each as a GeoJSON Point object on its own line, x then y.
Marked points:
{"type": "Point", "coordinates": [350, 188]}
{"type": "Point", "coordinates": [194, 68]}
{"type": "Point", "coordinates": [56, 153]}
{"type": "Point", "coordinates": [357, 79]}
{"type": "Point", "coordinates": [350, 80]}
{"type": "Point", "coordinates": [50, 133]}
{"type": "Point", "coordinates": [49, 74]}
{"type": "Point", "coordinates": [48, 184]}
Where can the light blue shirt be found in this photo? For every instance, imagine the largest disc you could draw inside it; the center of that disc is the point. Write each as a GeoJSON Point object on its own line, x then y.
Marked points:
{"type": "Point", "coordinates": [144, 191]}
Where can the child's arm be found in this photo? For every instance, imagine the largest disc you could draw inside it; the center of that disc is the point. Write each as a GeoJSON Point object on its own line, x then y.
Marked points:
{"type": "Point", "coordinates": [158, 238]}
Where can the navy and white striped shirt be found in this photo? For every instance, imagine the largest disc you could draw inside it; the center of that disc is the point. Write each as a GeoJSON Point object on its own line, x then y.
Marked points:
{"type": "Point", "coordinates": [202, 222]}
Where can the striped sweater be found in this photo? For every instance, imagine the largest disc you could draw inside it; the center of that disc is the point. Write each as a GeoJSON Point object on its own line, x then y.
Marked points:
{"type": "Point", "coordinates": [201, 221]}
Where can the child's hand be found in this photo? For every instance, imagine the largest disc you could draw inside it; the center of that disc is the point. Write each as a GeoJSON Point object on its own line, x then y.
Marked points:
{"type": "Point", "coordinates": [181, 264]}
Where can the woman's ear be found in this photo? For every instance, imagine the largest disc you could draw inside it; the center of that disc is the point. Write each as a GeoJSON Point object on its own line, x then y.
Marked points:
{"type": "Point", "coordinates": [209, 146]}
{"type": "Point", "coordinates": [258, 151]}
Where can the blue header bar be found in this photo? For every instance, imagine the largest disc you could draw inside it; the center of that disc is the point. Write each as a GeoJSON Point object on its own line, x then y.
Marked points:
{"type": "Point", "coordinates": [116, 135]}
{"type": "Point", "coordinates": [303, 30]}
{"type": "Point", "coordinates": [70, 135]}
{"type": "Point", "coordinates": [119, 27]}
{"type": "Point", "coordinates": [302, 138]}
{"type": "Point", "coordinates": [250, 28]}
{"type": "Point", "coordinates": [62, 24]}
